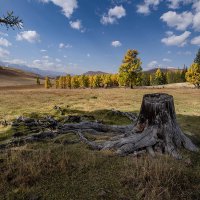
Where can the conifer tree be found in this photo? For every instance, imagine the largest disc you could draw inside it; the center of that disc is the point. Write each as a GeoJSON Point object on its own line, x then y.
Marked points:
{"type": "Point", "coordinates": [145, 79]}
{"type": "Point", "coordinates": [183, 72]}
{"type": "Point", "coordinates": [37, 80]}
{"type": "Point", "coordinates": [197, 59]}
{"type": "Point", "coordinates": [130, 68]}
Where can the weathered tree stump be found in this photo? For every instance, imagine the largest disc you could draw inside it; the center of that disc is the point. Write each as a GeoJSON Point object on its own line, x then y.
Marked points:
{"type": "Point", "coordinates": [156, 129]}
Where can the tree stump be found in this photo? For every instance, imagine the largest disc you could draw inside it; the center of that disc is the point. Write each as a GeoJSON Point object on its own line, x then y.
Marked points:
{"type": "Point", "coordinates": [158, 111]}
{"type": "Point", "coordinates": [156, 129]}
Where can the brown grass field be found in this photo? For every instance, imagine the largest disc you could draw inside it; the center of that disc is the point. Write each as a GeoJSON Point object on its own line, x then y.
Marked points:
{"type": "Point", "coordinates": [10, 77]}
{"type": "Point", "coordinates": [64, 169]}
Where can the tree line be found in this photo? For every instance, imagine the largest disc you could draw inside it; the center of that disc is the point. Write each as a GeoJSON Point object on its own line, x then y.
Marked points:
{"type": "Point", "coordinates": [130, 74]}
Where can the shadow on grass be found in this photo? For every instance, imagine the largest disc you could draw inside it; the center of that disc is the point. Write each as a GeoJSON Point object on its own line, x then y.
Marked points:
{"type": "Point", "coordinates": [63, 168]}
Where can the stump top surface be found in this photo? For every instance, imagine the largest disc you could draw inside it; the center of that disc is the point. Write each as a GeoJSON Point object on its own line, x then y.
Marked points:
{"type": "Point", "coordinates": [157, 97]}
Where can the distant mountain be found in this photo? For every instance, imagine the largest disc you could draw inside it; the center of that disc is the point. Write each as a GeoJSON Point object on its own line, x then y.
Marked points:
{"type": "Point", "coordinates": [152, 71]}
{"type": "Point", "coordinates": [33, 70]}
{"type": "Point", "coordinates": [94, 73]}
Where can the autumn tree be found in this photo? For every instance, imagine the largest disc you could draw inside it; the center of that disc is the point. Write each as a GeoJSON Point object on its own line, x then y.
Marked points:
{"type": "Point", "coordinates": [115, 80]}
{"type": "Point", "coordinates": [57, 82]}
{"type": "Point", "coordinates": [160, 77]}
{"type": "Point", "coordinates": [106, 80]}
{"type": "Point", "coordinates": [47, 83]}
{"type": "Point", "coordinates": [75, 83]}
{"type": "Point", "coordinates": [68, 81]}
{"type": "Point", "coordinates": [84, 81]}
{"type": "Point", "coordinates": [97, 81]}
{"type": "Point", "coordinates": [130, 68]}
{"type": "Point", "coordinates": [193, 73]}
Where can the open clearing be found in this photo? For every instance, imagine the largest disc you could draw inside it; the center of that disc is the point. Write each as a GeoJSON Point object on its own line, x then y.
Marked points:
{"type": "Point", "coordinates": [64, 168]}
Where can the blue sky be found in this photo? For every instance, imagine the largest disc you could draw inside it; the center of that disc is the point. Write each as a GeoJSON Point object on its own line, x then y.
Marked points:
{"type": "Point", "coordinates": [75, 36]}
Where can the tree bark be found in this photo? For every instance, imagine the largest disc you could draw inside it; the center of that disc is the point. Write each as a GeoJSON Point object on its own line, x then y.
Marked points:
{"type": "Point", "coordinates": [156, 129]}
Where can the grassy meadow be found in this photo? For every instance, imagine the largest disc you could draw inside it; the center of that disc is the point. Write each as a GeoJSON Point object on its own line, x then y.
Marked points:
{"type": "Point", "coordinates": [64, 168]}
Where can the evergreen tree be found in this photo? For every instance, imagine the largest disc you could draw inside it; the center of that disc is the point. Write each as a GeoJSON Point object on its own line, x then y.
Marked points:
{"type": "Point", "coordinates": [183, 72]}
{"type": "Point", "coordinates": [130, 68]}
{"type": "Point", "coordinates": [37, 80]}
{"type": "Point", "coordinates": [145, 79]}
{"type": "Point", "coordinates": [197, 59]}
{"type": "Point", "coordinates": [11, 21]}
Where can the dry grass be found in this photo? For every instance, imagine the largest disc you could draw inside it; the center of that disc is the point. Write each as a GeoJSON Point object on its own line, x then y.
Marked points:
{"type": "Point", "coordinates": [59, 169]}
{"type": "Point", "coordinates": [25, 101]}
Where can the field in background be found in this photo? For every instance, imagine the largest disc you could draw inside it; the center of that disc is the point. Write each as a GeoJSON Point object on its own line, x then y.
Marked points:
{"type": "Point", "coordinates": [66, 169]}
{"type": "Point", "coordinates": [15, 77]}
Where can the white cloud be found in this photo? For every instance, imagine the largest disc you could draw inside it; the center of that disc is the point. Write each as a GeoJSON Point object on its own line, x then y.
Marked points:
{"type": "Point", "coordinates": [62, 45]}
{"type": "Point", "coordinates": [113, 14]}
{"type": "Point", "coordinates": [176, 40]}
{"type": "Point", "coordinates": [88, 55]}
{"type": "Point", "coordinates": [184, 53]}
{"type": "Point", "coordinates": [116, 43]}
{"type": "Point", "coordinates": [45, 57]}
{"type": "Point", "coordinates": [30, 36]}
{"type": "Point", "coordinates": [175, 4]}
{"type": "Point", "coordinates": [167, 60]}
{"type": "Point", "coordinates": [57, 60]}
{"type": "Point", "coordinates": [43, 50]}
{"type": "Point", "coordinates": [68, 6]}
{"type": "Point", "coordinates": [196, 6]}
{"type": "Point", "coordinates": [4, 53]}
{"type": "Point", "coordinates": [169, 33]}
{"type": "Point", "coordinates": [152, 64]}
{"type": "Point", "coordinates": [4, 42]}
{"type": "Point", "coordinates": [196, 41]}
{"type": "Point", "coordinates": [179, 21]}
{"type": "Point", "coordinates": [147, 5]}
{"type": "Point", "coordinates": [16, 61]}
{"type": "Point", "coordinates": [196, 21]}
{"type": "Point", "coordinates": [3, 34]}
{"type": "Point", "coordinates": [77, 25]}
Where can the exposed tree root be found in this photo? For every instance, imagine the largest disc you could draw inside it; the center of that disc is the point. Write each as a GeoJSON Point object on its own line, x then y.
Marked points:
{"type": "Point", "coordinates": [155, 130]}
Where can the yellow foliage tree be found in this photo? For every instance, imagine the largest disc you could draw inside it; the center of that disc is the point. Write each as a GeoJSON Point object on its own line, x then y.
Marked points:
{"type": "Point", "coordinates": [193, 74]}
{"type": "Point", "coordinates": [47, 83]}
{"type": "Point", "coordinates": [130, 68]}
